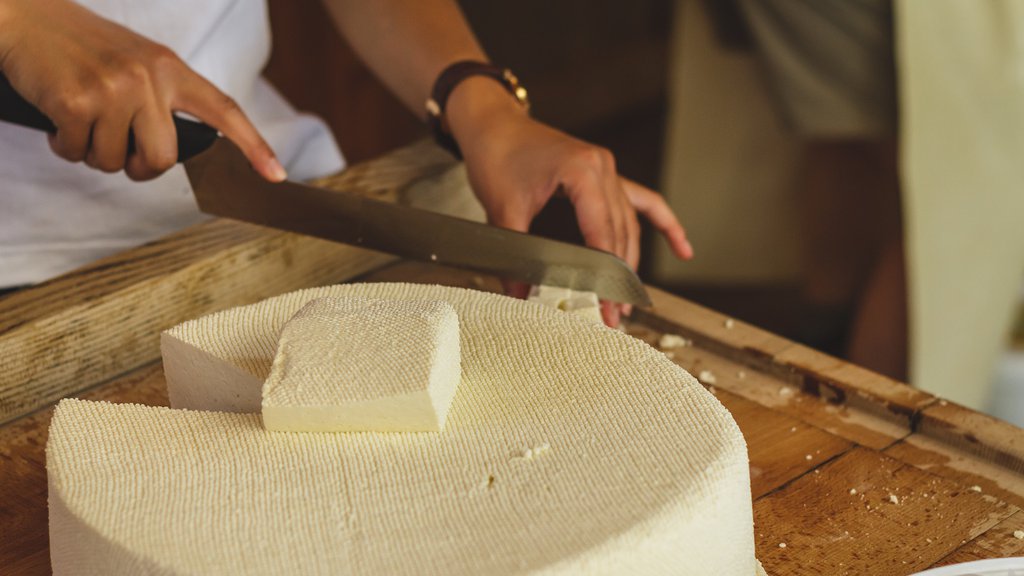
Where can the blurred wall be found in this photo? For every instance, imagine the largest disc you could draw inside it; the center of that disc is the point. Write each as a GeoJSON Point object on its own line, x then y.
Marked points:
{"type": "Point", "coordinates": [589, 65]}
{"type": "Point", "coordinates": [316, 71]}
{"type": "Point", "coordinates": [962, 96]}
{"type": "Point", "coordinates": [729, 165]}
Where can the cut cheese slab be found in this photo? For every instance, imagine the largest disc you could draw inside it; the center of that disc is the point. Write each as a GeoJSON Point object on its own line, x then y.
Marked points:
{"type": "Point", "coordinates": [570, 448]}
{"type": "Point", "coordinates": [581, 303]}
{"type": "Point", "coordinates": [354, 364]}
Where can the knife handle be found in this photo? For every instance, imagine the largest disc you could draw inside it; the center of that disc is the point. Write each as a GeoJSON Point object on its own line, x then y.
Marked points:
{"type": "Point", "coordinates": [193, 137]}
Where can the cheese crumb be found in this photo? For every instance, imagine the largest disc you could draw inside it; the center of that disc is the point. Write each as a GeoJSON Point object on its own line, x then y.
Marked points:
{"type": "Point", "coordinates": [782, 544]}
{"type": "Point", "coordinates": [669, 341]}
{"type": "Point", "coordinates": [531, 453]}
{"type": "Point", "coordinates": [706, 377]}
{"type": "Point", "coordinates": [808, 457]}
{"type": "Point", "coordinates": [894, 499]}
{"type": "Point", "coordinates": [853, 491]}
{"type": "Point", "coordinates": [1018, 534]}
{"type": "Point", "coordinates": [729, 323]}
{"type": "Point", "coordinates": [975, 488]}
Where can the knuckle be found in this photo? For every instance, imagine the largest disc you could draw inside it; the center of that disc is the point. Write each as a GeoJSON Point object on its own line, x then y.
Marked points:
{"type": "Point", "coordinates": [69, 106]}
{"type": "Point", "coordinates": [114, 78]}
{"type": "Point", "coordinates": [104, 161]}
{"type": "Point", "coordinates": [161, 57]}
{"type": "Point", "coordinates": [71, 154]}
{"type": "Point", "coordinates": [135, 74]}
{"type": "Point", "coordinates": [228, 105]}
{"type": "Point", "coordinates": [597, 158]}
{"type": "Point", "coordinates": [138, 173]}
{"type": "Point", "coordinates": [161, 161]}
{"type": "Point", "coordinates": [108, 165]}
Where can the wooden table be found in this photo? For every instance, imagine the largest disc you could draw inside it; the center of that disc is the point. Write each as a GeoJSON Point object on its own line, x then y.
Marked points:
{"type": "Point", "coordinates": [851, 473]}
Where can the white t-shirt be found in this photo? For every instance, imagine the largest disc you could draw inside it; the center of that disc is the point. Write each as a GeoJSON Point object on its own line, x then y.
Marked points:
{"type": "Point", "coordinates": [56, 216]}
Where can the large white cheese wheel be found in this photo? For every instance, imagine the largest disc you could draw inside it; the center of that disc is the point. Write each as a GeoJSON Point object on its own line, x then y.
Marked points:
{"type": "Point", "coordinates": [570, 448]}
{"type": "Point", "coordinates": [353, 364]}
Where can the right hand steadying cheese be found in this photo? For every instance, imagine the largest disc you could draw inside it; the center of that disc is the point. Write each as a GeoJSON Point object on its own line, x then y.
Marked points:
{"type": "Point", "coordinates": [515, 163]}
{"type": "Point", "coordinates": [97, 81]}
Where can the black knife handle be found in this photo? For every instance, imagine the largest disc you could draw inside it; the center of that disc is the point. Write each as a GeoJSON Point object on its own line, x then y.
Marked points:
{"type": "Point", "coordinates": [193, 137]}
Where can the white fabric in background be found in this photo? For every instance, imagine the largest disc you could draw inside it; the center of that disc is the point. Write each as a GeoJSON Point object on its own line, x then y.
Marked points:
{"type": "Point", "coordinates": [56, 216]}
{"type": "Point", "coordinates": [961, 70]}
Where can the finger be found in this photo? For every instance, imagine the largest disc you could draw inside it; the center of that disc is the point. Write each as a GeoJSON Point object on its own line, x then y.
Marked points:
{"type": "Point", "coordinates": [610, 313]}
{"type": "Point", "coordinates": [199, 97]}
{"type": "Point", "coordinates": [71, 142]}
{"type": "Point", "coordinates": [156, 143]}
{"type": "Point", "coordinates": [515, 289]}
{"type": "Point", "coordinates": [592, 213]}
{"type": "Point", "coordinates": [513, 218]}
{"type": "Point", "coordinates": [656, 210]}
{"type": "Point", "coordinates": [613, 195]}
{"type": "Point", "coordinates": [602, 226]}
{"type": "Point", "coordinates": [633, 243]}
{"type": "Point", "coordinates": [108, 148]}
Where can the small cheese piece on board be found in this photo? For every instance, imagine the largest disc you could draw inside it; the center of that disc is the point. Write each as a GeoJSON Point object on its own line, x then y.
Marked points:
{"type": "Point", "coordinates": [583, 304]}
{"type": "Point", "coordinates": [354, 364]}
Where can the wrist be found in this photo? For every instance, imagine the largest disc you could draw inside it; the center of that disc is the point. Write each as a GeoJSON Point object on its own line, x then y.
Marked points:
{"type": "Point", "coordinates": [478, 104]}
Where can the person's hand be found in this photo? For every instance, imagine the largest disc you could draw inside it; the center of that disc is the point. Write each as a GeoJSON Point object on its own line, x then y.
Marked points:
{"type": "Point", "coordinates": [98, 81]}
{"type": "Point", "coordinates": [515, 164]}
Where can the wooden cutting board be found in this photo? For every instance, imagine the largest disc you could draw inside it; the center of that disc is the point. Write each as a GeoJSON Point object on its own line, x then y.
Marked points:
{"type": "Point", "coordinates": [851, 473]}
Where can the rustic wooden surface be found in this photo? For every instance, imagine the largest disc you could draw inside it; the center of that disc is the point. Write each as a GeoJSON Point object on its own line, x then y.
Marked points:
{"type": "Point", "coordinates": [93, 324]}
{"type": "Point", "coordinates": [850, 473]}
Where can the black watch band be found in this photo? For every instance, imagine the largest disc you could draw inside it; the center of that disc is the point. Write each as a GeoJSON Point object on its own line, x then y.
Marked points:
{"type": "Point", "coordinates": [446, 82]}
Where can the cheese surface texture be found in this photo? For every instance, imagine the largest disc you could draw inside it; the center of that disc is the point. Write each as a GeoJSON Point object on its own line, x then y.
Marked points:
{"type": "Point", "coordinates": [570, 448]}
{"type": "Point", "coordinates": [354, 364]}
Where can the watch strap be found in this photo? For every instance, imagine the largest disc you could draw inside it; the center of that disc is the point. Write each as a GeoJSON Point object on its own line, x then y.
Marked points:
{"type": "Point", "coordinates": [446, 82]}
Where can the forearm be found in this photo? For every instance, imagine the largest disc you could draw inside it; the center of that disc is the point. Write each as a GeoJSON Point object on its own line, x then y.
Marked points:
{"type": "Point", "coordinates": [407, 43]}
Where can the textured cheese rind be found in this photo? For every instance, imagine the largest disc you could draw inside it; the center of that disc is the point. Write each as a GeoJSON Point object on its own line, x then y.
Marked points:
{"type": "Point", "coordinates": [646, 472]}
{"type": "Point", "coordinates": [355, 364]}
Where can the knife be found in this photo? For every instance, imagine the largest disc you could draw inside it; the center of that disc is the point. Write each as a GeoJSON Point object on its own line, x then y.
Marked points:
{"type": "Point", "coordinates": [225, 185]}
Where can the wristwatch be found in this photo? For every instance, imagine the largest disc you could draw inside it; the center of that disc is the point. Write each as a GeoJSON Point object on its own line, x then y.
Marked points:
{"type": "Point", "coordinates": [449, 78]}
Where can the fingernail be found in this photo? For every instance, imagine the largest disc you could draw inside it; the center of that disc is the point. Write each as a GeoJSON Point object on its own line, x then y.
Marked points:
{"type": "Point", "coordinates": [627, 309]}
{"type": "Point", "coordinates": [689, 249]}
{"type": "Point", "coordinates": [277, 172]}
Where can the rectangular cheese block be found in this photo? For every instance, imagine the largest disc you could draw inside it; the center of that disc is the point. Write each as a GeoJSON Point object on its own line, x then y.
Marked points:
{"type": "Point", "coordinates": [356, 364]}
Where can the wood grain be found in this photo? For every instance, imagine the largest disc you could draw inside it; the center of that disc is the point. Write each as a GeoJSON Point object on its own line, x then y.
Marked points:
{"type": "Point", "coordinates": [92, 324]}
{"type": "Point", "coordinates": [867, 514]}
{"type": "Point", "coordinates": [1000, 542]}
{"type": "Point", "coordinates": [781, 447]}
{"type": "Point", "coordinates": [842, 398]}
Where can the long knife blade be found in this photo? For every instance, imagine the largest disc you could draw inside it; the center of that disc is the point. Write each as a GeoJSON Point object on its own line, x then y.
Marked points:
{"type": "Point", "coordinates": [225, 185]}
